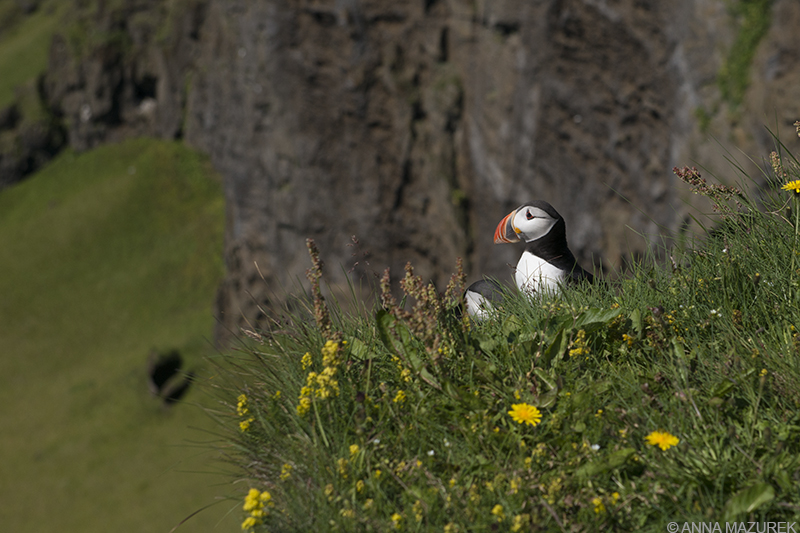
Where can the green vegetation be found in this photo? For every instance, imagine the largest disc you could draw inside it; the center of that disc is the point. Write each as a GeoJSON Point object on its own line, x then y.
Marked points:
{"type": "Point", "coordinates": [670, 396]}
{"type": "Point", "coordinates": [753, 20]}
{"type": "Point", "coordinates": [24, 48]}
{"type": "Point", "coordinates": [106, 255]}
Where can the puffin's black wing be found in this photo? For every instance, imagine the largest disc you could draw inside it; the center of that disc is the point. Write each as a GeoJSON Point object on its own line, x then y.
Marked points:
{"type": "Point", "coordinates": [579, 274]}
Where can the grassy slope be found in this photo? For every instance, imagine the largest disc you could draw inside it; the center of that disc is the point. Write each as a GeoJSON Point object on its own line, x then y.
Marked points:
{"type": "Point", "coordinates": [413, 430]}
{"type": "Point", "coordinates": [104, 256]}
{"type": "Point", "coordinates": [24, 49]}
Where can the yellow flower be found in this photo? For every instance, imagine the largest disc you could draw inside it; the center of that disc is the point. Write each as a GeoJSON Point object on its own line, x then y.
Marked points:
{"type": "Point", "coordinates": [286, 471]}
{"type": "Point", "coordinates": [520, 521]}
{"type": "Point", "coordinates": [250, 522]}
{"type": "Point", "coordinates": [598, 505]}
{"type": "Point", "coordinates": [417, 510]}
{"type": "Point", "coordinates": [525, 414]}
{"type": "Point", "coordinates": [347, 513]}
{"type": "Point", "coordinates": [662, 439]}
{"type": "Point", "coordinates": [359, 485]}
{"type": "Point", "coordinates": [792, 186]}
{"type": "Point", "coordinates": [497, 510]}
{"type": "Point", "coordinates": [400, 397]}
{"type": "Point", "coordinates": [378, 473]}
{"type": "Point", "coordinates": [330, 354]}
{"type": "Point", "coordinates": [241, 407]}
{"type": "Point", "coordinates": [368, 504]}
{"type": "Point", "coordinates": [341, 466]}
{"type": "Point", "coordinates": [252, 501]}
{"type": "Point", "coordinates": [354, 449]}
{"type": "Point", "coordinates": [306, 361]}
{"type": "Point", "coordinates": [396, 518]}
{"type": "Point", "coordinates": [614, 497]}
{"type": "Point", "coordinates": [304, 405]}
{"type": "Point", "coordinates": [244, 425]}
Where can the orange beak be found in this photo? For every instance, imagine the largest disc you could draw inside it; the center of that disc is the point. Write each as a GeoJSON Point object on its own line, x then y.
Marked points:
{"type": "Point", "coordinates": [505, 232]}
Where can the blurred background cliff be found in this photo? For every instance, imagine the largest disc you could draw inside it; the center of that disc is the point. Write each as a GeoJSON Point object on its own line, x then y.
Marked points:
{"type": "Point", "coordinates": [416, 125]}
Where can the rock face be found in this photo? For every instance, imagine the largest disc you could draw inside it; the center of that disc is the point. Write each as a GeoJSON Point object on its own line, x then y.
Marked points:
{"type": "Point", "coordinates": [416, 125]}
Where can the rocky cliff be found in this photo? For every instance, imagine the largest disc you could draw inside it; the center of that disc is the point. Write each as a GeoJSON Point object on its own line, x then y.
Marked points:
{"type": "Point", "coordinates": [415, 125]}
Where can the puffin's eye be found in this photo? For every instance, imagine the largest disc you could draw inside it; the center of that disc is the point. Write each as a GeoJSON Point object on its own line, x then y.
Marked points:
{"type": "Point", "coordinates": [528, 215]}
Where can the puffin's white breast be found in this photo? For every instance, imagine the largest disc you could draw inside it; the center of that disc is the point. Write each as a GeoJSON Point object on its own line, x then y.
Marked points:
{"type": "Point", "coordinates": [478, 307]}
{"type": "Point", "coordinates": [536, 276]}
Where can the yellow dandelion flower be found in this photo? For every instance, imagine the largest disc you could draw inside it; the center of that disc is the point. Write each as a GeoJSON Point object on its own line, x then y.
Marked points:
{"type": "Point", "coordinates": [497, 511]}
{"type": "Point", "coordinates": [763, 371]}
{"type": "Point", "coordinates": [525, 414]}
{"type": "Point", "coordinates": [793, 186]}
{"type": "Point", "coordinates": [354, 448]}
{"type": "Point", "coordinates": [662, 439]}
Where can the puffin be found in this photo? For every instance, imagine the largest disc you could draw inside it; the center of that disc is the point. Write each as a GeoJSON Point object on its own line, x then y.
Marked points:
{"type": "Point", "coordinates": [547, 262]}
{"type": "Point", "coordinates": [481, 297]}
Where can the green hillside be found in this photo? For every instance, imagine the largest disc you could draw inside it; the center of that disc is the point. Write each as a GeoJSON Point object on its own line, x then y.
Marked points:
{"type": "Point", "coordinates": [104, 256]}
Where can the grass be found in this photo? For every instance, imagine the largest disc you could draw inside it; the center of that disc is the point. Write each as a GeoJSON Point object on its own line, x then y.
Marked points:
{"type": "Point", "coordinates": [390, 418]}
{"type": "Point", "coordinates": [106, 255]}
{"type": "Point", "coordinates": [24, 49]}
{"type": "Point", "coordinates": [753, 19]}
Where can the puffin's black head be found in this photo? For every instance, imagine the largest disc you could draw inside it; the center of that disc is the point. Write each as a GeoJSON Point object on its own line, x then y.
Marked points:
{"type": "Point", "coordinates": [530, 222]}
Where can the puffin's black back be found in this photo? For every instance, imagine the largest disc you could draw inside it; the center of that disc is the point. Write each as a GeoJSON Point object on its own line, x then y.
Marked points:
{"type": "Point", "coordinates": [553, 247]}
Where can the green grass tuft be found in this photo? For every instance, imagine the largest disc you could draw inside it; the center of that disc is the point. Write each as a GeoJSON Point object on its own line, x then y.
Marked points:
{"type": "Point", "coordinates": [753, 20]}
{"type": "Point", "coordinates": [399, 419]}
{"type": "Point", "coordinates": [106, 255]}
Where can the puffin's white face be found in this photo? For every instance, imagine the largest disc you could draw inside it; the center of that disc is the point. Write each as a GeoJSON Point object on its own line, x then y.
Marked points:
{"type": "Point", "coordinates": [531, 223]}
{"type": "Point", "coordinates": [527, 223]}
